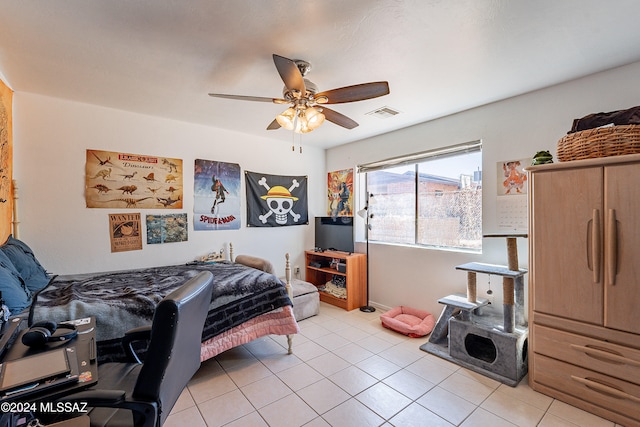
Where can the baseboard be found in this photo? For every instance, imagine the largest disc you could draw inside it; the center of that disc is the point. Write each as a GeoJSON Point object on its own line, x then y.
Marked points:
{"type": "Point", "coordinates": [378, 306]}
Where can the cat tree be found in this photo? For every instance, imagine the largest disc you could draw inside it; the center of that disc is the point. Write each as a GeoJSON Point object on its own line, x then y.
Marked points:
{"type": "Point", "coordinates": [474, 335]}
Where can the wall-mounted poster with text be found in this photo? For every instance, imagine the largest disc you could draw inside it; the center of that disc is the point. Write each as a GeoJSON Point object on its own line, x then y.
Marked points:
{"type": "Point", "coordinates": [340, 193]}
{"type": "Point", "coordinates": [135, 181]}
{"type": "Point", "coordinates": [125, 232]}
{"type": "Point", "coordinates": [275, 201]}
{"type": "Point", "coordinates": [511, 202]}
{"type": "Point", "coordinates": [216, 192]}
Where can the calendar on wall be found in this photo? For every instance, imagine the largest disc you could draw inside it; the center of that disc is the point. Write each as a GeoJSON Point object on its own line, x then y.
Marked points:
{"type": "Point", "coordinates": [512, 213]}
{"type": "Point", "coordinates": [511, 198]}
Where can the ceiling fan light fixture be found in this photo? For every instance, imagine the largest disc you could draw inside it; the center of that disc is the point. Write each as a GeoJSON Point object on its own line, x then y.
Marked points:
{"type": "Point", "coordinates": [314, 118]}
{"type": "Point", "coordinates": [300, 120]}
{"type": "Point", "coordinates": [302, 126]}
{"type": "Point", "coordinates": [306, 110]}
{"type": "Point", "coordinates": [287, 118]}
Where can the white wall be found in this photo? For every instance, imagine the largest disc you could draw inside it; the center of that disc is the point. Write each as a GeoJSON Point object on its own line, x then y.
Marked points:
{"type": "Point", "coordinates": [51, 136]}
{"type": "Point", "coordinates": [50, 141]}
{"type": "Point", "coordinates": [512, 129]}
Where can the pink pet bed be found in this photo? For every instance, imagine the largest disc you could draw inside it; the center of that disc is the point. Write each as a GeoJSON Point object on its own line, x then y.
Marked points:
{"type": "Point", "coordinates": [408, 321]}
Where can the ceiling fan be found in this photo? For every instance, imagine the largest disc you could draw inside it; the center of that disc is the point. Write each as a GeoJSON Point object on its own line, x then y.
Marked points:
{"type": "Point", "coordinates": [307, 109]}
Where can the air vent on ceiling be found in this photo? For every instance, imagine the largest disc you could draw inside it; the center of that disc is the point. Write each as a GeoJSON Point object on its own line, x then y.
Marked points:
{"type": "Point", "coordinates": [383, 112]}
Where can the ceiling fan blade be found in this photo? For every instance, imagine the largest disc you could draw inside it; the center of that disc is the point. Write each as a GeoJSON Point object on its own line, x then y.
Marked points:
{"type": "Point", "coordinates": [354, 93]}
{"type": "Point", "coordinates": [338, 118]}
{"type": "Point", "coordinates": [289, 73]}
{"type": "Point", "coordinates": [273, 125]}
{"type": "Point", "coordinates": [250, 98]}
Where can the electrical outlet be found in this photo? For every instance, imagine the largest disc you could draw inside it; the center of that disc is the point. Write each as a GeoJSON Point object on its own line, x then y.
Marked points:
{"type": "Point", "coordinates": [296, 270]}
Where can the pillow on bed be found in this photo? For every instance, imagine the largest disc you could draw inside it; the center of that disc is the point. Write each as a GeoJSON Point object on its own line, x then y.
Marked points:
{"type": "Point", "coordinates": [255, 262]}
{"type": "Point", "coordinates": [15, 294]}
{"type": "Point", "coordinates": [26, 264]}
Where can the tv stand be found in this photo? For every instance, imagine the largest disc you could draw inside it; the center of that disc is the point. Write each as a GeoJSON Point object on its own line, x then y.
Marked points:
{"type": "Point", "coordinates": [355, 276]}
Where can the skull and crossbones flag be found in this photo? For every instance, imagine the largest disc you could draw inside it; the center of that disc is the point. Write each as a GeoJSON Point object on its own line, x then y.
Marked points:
{"type": "Point", "coordinates": [275, 200]}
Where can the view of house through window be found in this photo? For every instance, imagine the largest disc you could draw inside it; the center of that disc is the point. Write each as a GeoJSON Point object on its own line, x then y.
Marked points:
{"type": "Point", "coordinates": [434, 200]}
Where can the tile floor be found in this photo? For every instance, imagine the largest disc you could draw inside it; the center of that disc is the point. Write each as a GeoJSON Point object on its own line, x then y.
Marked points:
{"type": "Point", "coordinates": [347, 370]}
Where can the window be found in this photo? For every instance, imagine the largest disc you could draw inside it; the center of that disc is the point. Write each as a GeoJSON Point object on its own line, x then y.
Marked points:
{"type": "Point", "coordinates": [431, 199]}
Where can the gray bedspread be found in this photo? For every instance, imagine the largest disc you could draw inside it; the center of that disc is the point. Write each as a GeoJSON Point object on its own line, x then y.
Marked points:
{"type": "Point", "coordinates": [122, 300]}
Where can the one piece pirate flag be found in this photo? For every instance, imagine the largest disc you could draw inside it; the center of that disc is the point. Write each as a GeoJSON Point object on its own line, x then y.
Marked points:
{"type": "Point", "coordinates": [275, 201]}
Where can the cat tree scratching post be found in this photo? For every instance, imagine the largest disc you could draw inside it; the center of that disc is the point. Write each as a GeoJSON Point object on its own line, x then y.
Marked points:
{"type": "Point", "coordinates": [471, 286]}
{"type": "Point", "coordinates": [467, 335]}
{"type": "Point", "coordinates": [508, 286]}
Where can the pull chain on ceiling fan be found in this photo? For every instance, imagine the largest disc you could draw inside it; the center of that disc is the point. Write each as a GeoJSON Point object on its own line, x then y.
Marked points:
{"type": "Point", "coordinates": [307, 110]}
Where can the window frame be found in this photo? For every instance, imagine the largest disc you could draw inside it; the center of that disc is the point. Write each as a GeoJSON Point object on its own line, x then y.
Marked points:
{"type": "Point", "coordinates": [407, 160]}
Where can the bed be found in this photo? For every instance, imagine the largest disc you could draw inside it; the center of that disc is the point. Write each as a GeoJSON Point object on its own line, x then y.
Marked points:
{"type": "Point", "coordinates": [247, 302]}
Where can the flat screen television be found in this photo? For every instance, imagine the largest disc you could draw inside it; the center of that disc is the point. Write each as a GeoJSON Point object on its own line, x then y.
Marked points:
{"type": "Point", "coordinates": [335, 234]}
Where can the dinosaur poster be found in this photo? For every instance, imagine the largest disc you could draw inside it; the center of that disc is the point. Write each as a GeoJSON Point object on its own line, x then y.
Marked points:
{"type": "Point", "coordinates": [132, 181]}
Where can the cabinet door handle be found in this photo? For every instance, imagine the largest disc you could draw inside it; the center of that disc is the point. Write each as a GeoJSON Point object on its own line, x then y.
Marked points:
{"type": "Point", "coordinates": [605, 355]}
{"type": "Point", "coordinates": [612, 246]}
{"type": "Point", "coordinates": [596, 244]}
{"type": "Point", "coordinates": [603, 388]}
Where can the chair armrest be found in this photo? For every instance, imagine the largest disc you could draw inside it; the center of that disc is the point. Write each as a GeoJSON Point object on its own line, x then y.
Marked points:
{"type": "Point", "coordinates": [93, 398]}
{"type": "Point", "coordinates": [142, 333]}
{"type": "Point", "coordinates": [145, 412]}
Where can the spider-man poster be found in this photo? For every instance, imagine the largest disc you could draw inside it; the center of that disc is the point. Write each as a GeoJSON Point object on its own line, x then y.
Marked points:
{"type": "Point", "coordinates": [216, 189]}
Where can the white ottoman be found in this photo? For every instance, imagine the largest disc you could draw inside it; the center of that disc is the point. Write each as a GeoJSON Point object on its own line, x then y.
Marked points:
{"type": "Point", "coordinates": [306, 300]}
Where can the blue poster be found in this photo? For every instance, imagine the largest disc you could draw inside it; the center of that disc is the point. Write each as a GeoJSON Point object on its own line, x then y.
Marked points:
{"type": "Point", "coordinates": [216, 195]}
{"type": "Point", "coordinates": [167, 228]}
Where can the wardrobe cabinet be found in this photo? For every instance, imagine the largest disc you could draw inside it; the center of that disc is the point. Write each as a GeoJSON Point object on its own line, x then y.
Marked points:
{"type": "Point", "coordinates": [584, 285]}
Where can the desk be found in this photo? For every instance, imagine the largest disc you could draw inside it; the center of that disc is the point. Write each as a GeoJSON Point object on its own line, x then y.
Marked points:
{"type": "Point", "coordinates": [85, 349]}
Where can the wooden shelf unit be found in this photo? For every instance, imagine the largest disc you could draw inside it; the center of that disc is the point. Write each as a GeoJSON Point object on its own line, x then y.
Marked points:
{"type": "Point", "coordinates": [355, 274]}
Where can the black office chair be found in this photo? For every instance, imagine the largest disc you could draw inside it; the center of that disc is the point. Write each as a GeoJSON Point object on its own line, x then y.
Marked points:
{"type": "Point", "coordinates": [143, 394]}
